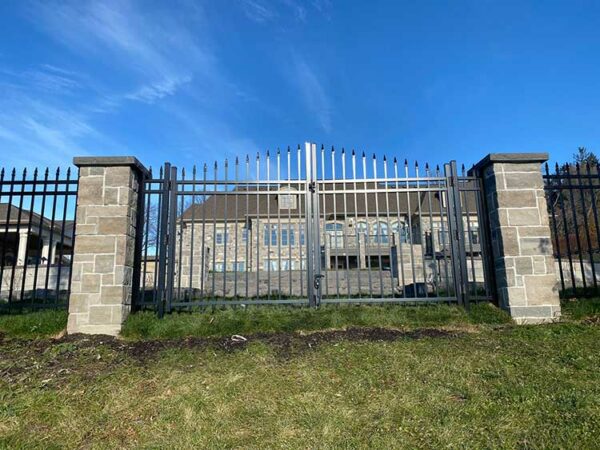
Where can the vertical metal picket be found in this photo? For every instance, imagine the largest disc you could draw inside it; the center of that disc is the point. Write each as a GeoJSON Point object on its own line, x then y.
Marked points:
{"type": "Point", "coordinates": [162, 246]}
{"type": "Point", "coordinates": [457, 247]}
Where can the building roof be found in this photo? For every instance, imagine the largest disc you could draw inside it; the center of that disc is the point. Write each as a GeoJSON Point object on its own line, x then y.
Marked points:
{"type": "Point", "coordinates": [12, 212]}
{"type": "Point", "coordinates": [255, 202]}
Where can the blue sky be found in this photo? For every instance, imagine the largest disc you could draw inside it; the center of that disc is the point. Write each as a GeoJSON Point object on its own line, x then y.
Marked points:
{"type": "Point", "coordinates": [194, 81]}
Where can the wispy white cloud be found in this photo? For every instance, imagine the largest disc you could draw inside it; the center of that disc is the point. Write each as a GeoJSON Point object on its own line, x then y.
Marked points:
{"type": "Point", "coordinates": [267, 11]}
{"type": "Point", "coordinates": [298, 9]}
{"type": "Point", "coordinates": [312, 92]}
{"type": "Point", "coordinates": [155, 91]}
{"type": "Point", "coordinates": [153, 49]}
{"type": "Point", "coordinates": [35, 132]}
{"type": "Point", "coordinates": [258, 11]}
{"type": "Point", "coordinates": [141, 55]}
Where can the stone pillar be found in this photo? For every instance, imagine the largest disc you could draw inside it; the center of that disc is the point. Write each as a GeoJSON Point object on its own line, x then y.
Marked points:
{"type": "Point", "coordinates": [523, 264]}
{"type": "Point", "coordinates": [105, 231]}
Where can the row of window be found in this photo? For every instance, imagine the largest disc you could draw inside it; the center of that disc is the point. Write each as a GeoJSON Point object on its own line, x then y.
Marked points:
{"type": "Point", "coordinates": [284, 235]}
{"type": "Point", "coordinates": [379, 232]}
{"type": "Point", "coordinates": [275, 265]}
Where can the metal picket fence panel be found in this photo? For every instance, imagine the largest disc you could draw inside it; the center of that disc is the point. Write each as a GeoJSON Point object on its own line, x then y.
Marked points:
{"type": "Point", "coordinates": [573, 196]}
{"type": "Point", "coordinates": [305, 227]}
{"type": "Point", "coordinates": [37, 234]}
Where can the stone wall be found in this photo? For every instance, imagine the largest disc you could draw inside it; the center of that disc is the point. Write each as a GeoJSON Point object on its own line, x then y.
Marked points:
{"type": "Point", "coordinates": [34, 278]}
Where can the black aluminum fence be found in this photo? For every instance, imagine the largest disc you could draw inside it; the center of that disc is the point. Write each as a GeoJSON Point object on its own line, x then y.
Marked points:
{"type": "Point", "coordinates": [573, 195]}
{"type": "Point", "coordinates": [37, 223]}
{"type": "Point", "coordinates": [306, 228]}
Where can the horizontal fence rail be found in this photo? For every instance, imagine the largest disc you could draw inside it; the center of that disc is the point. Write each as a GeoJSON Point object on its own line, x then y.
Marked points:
{"type": "Point", "coordinates": [307, 227]}
{"type": "Point", "coordinates": [37, 223]}
{"type": "Point", "coordinates": [573, 196]}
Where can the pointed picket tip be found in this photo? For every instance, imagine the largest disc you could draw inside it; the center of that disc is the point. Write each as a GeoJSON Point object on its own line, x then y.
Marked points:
{"type": "Point", "coordinates": [68, 172]}
{"type": "Point", "coordinates": [183, 172]}
{"type": "Point", "coordinates": [257, 156]}
{"type": "Point", "coordinates": [226, 163]}
{"type": "Point", "coordinates": [363, 155]}
{"type": "Point", "coordinates": [395, 160]}
{"type": "Point", "coordinates": [194, 170]}
{"type": "Point", "coordinates": [416, 164]}
{"type": "Point", "coordinates": [322, 147]}
{"type": "Point", "coordinates": [237, 161]}
{"type": "Point", "coordinates": [268, 154]}
{"type": "Point", "coordinates": [216, 165]}
{"type": "Point", "coordinates": [205, 167]}
{"type": "Point", "coordinates": [35, 172]}
{"type": "Point", "coordinates": [278, 151]}
{"type": "Point", "coordinates": [353, 152]}
{"type": "Point", "coordinates": [24, 172]}
{"type": "Point", "coordinates": [14, 172]}
{"type": "Point", "coordinates": [289, 150]}
{"type": "Point", "coordinates": [57, 172]}
{"type": "Point", "coordinates": [343, 151]}
{"type": "Point", "coordinates": [384, 158]}
{"type": "Point", "coordinates": [426, 166]}
{"type": "Point", "coordinates": [332, 149]}
{"type": "Point", "coordinates": [299, 147]}
{"type": "Point", "coordinates": [374, 157]}
{"type": "Point", "coordinates": [406, 162]}
{"type": "Point", "coordinates": [2, 173]}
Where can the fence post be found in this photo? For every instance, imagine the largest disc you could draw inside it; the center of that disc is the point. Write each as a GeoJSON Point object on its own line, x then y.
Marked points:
{"type": "Point", "coordinates": [520, 234]}
{"type": "Point", "coordinates": [104, 253]}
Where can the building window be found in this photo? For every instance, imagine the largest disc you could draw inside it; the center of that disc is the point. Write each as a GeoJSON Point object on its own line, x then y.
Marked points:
{"type": "Point", "coordinates": [401, 229]}
{"type": "Point", "coordinates": [270, 235]}
{"type": "Point", "coordinates": [334, 233]}
{"type": "Point", "coordinates": [287, 201]}
{"type": "Point", "coordinates": [272, 263]}
{"type": "Point", "coordinates": [221, 237]}
{"type": "Point", "coordinates": [287, 235]}
{"type": "Point", "coordinates": [239, 266]}
{"type": "Point", "coordinates": [219, 267]}
{"type": "Point", "coordinates": [245, 235]}
{"type": "Point", "coordinates": [380, 233]}
{"type": "Point", "coordinates": [301, 227]}
{"type": "Point", "coordinates": [362, 231]}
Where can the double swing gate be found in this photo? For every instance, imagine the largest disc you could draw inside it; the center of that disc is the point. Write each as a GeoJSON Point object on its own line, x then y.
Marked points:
{"type": "Point", "coordinates": [310, 227]}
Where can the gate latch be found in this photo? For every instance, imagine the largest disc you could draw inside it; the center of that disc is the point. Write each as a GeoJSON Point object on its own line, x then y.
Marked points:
{"type": "Point", "coordinates": [318, 281]}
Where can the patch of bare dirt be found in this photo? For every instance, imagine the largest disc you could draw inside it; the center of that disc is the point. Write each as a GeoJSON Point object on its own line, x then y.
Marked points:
{"type": "Point", "coordinates": [594, 320]}
{"type": "Point", "coordinates": [52, 361]}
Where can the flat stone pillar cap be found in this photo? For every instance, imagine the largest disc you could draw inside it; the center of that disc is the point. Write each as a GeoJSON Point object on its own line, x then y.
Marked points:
{"type": "Point", "coordinates": [511, 158]}
{"type": "Point", "coordinates": [109, 161]}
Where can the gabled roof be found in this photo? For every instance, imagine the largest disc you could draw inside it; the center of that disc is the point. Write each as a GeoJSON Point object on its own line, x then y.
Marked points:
{"type": "Point", "coordinates": [14, 218]}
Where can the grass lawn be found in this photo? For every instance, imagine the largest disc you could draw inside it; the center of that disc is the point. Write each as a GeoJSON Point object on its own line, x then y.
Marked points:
{"type": "Point", "coordinates": [431, 377]}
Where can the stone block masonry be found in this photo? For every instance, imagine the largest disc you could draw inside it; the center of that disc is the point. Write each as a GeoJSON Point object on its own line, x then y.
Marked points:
{"type": "Point", "coordinates": [520, 234]}
{"type": "Point", "coordinates": [105, 234]}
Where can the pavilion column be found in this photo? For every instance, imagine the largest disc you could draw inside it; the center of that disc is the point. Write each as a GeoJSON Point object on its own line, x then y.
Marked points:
{"type": "Point", "coordinates": [23, 239]}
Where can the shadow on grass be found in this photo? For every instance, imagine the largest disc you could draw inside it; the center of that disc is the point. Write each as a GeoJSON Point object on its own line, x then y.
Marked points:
{"type": "Point", "coordinates": [257, 319]}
